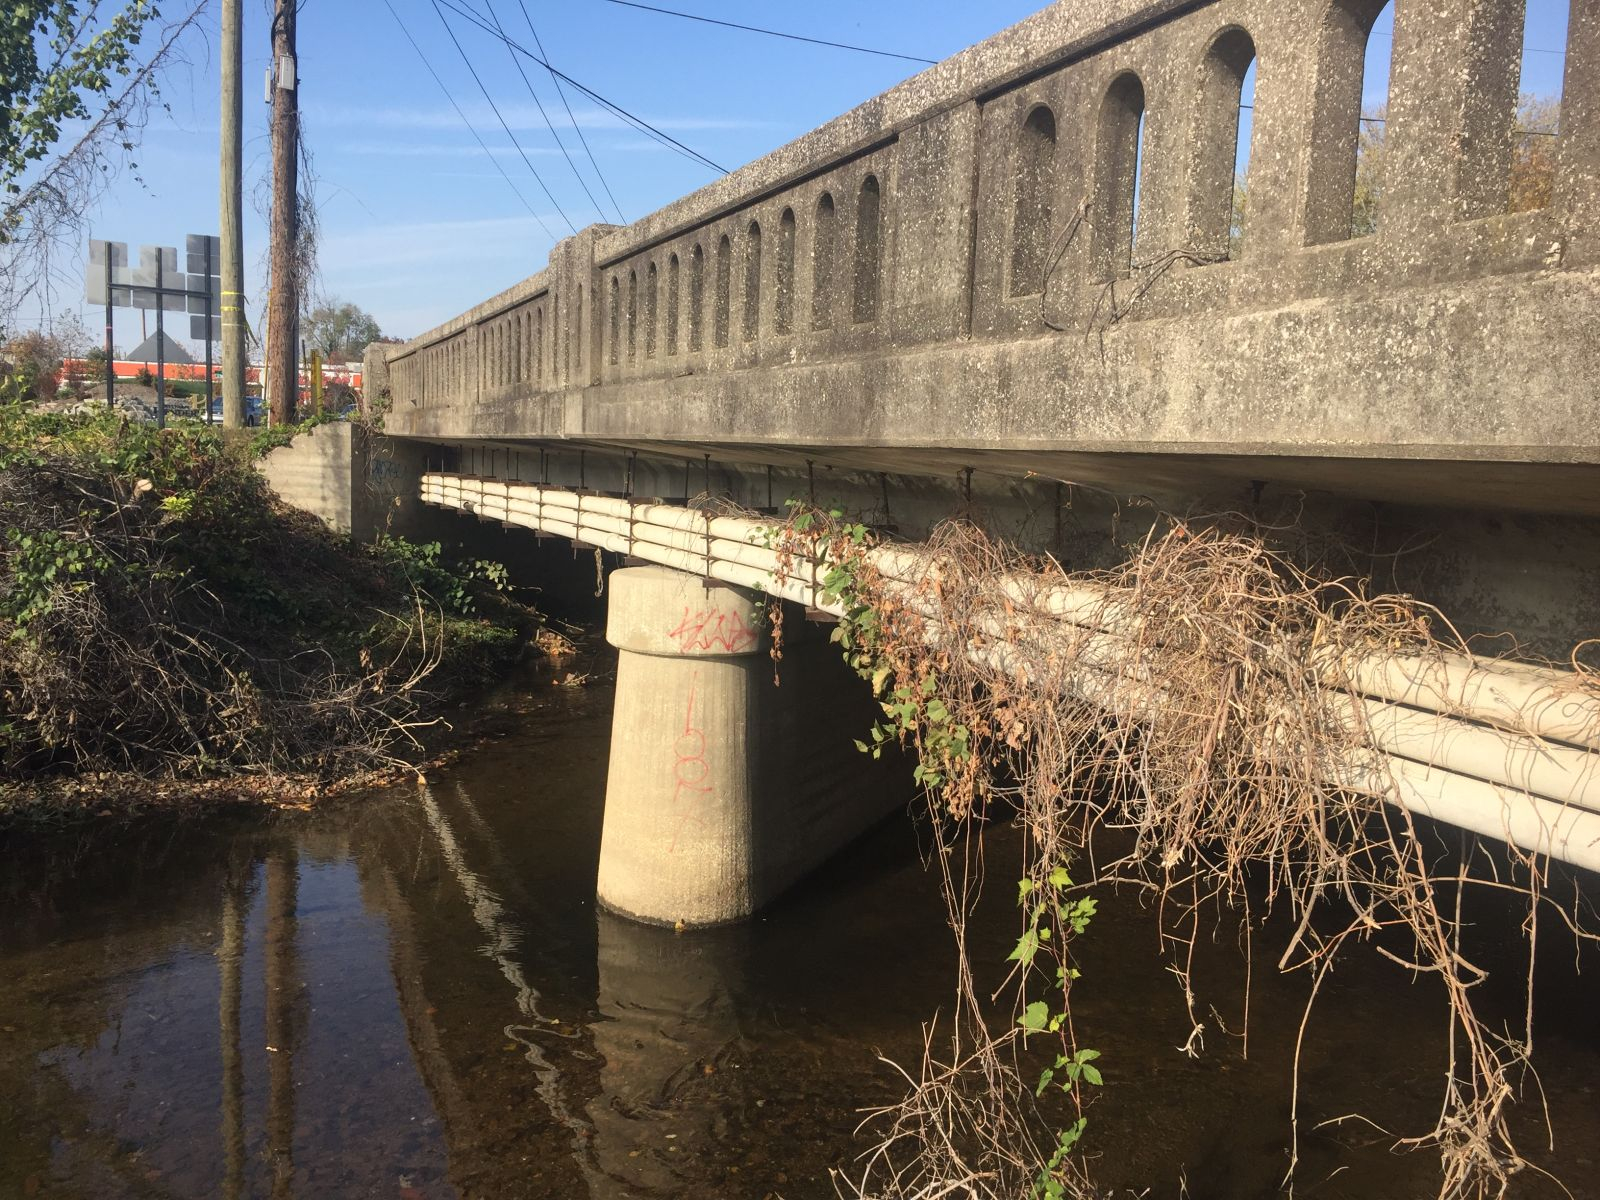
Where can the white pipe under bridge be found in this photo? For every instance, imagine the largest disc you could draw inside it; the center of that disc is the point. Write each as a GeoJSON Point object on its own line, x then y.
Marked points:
{"type": "Point", "coordinates": [1507, 750]}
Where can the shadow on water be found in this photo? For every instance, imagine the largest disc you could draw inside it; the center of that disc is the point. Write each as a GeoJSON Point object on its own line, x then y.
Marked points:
{"type": "Point", "coordinates": [415, 996]}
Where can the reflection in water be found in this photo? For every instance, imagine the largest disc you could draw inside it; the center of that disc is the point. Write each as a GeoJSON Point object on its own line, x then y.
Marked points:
{"type": "Point", "coordinates": [230, 967]}
{"type": "Point", "coordinates": [282, 989]}
{"type": "Point", "coordinates": [416, 998]}
{"type": "Point", "coordinates": [668, 1018]}
{"type": "Point", "coordinates": [504, 943]}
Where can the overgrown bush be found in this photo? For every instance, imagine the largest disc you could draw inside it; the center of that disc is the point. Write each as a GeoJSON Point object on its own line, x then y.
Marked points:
{"type": "Point", "coordinates": [268, 438]}
{"type": "Point", "coordinates": [161, 612]}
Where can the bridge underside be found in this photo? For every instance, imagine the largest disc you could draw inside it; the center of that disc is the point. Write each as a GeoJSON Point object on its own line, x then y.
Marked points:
{"type": "Point", "coordinates": [1501, 547]}
{"type": "Point", "coordinates": [1180, 480]}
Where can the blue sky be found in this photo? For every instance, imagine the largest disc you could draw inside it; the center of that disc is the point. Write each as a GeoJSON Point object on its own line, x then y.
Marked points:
{"type": "Point", "coordinates": [417, 221]}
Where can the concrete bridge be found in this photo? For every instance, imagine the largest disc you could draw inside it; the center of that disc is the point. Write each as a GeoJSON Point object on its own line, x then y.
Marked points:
{"type": "Point", "coordinates": [1011, 286]}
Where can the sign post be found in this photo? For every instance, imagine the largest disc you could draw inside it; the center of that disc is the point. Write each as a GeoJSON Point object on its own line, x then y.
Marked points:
{"type": "Point", "coordinates": [157, 283]}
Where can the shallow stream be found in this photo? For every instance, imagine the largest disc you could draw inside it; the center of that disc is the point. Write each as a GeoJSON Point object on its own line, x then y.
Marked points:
{"type": "Point", "coordinates": [413, 995]}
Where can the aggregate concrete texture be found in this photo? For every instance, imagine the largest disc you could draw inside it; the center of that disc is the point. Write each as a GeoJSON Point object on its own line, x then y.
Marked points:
{"type": "Point", "coordinates": [724, 786]}
{"type": "Point", "coordinates": [956, 266]}
{"type": "Point", "coordinates": [676, 844]}
{"type": "Point", "coordinates": [359, 483]}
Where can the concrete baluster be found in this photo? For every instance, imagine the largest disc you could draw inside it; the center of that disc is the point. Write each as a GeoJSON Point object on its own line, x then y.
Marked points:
{"type": "Point", "coordinates": [1487, 105]}
{"type": "Point", "coordinates": [1430, 86]}
{"type": "Point", "coordinates": [1577, 192]}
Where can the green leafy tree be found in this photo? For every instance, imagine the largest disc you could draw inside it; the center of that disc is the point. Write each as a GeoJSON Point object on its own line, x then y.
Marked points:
{"type": "Point", "coordinates": [1370, 159]}
{"type": "Point", "coordinates": [340, 330]}
{"type": "Point", "coordinates": [77, 81]}
{"type": "Point", "coordinates": [53, 61]}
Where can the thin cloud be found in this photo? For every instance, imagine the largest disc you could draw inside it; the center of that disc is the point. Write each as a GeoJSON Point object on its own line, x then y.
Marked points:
{"type": "Point", "coordinates": [357, 252]}
{"type": "Point", "coordinates": [518, 116]}
{"type": "Point", "coordinates": [413, 150]}
{"type": "Point", "coordinates": [473, 150]}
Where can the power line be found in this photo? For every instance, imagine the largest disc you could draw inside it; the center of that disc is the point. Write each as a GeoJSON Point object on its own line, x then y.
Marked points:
{"type": "Point", "coordinates": [1386, 33]}
{"type": "Point", "coordinates": [487, 152]}
{"type": "Point", "coordinates": [499, 32]}
{"type": "Point", "coordinates": [517, 62]}
{"type": "Point", "coordinates": [638, 123]}
{"type": "Point", "coordinates": [562, 92]}
{"type": "Point", "coordinates": [777, 33]}
{"type": "Point", "coordinates": [526, 160]}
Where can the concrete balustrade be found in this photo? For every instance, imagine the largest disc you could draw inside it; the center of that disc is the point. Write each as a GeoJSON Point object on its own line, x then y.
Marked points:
{"type": "Point", "coordinates": [955, 265]}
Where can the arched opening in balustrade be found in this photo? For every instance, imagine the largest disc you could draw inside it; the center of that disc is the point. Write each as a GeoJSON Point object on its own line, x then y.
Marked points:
{"type": "Point", "coordinates": [1119, 156]}
{"type": "Point", "coordinates": [751, 324]}
{"type": "Point", "coordinates": [673, 272]}
{"type": "Point", "coordinates": [650, 289]}
{"type": "Point", "coordinates": [538, 345]}
{"type": "Point", "coordinates": [520, 368]}
{"type": "Point", "coordinates": [578, 334]}
{"type": "Point", "coordinates": [633, 316]}
{"type": "Point", "coordinates": [697, 298]}
{"type": "Point", "coordinates": [558, 343]}
{"type": "Point", "coordinates": [1220, 145]}
{"type": "Point", "coordinates": [869, 251]}
{"type": "Point", "coordinates": [1540, 96]}
{"type": "Point", "coordinates": [724, 298]}
{"type": "Point", "coordinates": [614, 342]}
{"type": "Point", "coordinates": [825, 237]}
{"type": "Point", "coordinates": [783, 300]}
{"type": "Point", "coordinates": [1349, 120]}
{"type": "Point", "coordinates": [1032, 211]}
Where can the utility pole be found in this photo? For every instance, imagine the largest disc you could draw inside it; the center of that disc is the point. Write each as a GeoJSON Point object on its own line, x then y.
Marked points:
{"type": "Point", "coordinates": [283, 303]}
{"type": "Point", "coordinates": [233, 346]}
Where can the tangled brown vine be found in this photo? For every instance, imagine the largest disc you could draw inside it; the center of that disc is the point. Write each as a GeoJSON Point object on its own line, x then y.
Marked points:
{"type": "Point", "coordinates": [1206, 703]}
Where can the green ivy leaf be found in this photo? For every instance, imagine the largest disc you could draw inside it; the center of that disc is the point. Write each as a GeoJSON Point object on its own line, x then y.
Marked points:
{"type": "Point", "coordinates": [1027, 947]}
{"type": "Point", "coordinates": [1035, 1017]}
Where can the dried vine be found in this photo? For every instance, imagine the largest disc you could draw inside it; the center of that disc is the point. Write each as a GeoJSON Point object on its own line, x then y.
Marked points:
{"type": "Point", "coordinates": [1196, 698]}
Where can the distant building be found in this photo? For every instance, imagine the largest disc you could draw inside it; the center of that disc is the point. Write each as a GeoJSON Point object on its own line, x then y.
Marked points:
{"type": "Point", "coordinates": [172, 352]}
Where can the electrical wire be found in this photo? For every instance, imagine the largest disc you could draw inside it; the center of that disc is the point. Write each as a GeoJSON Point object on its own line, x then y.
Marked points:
{"type": "Point", "coordinates": [538, 103]}
{"type": "Point", "coordinates": [487, 152]}
{"type": "Point", "coordinates": [793, 37]}
{"type": "Point", "coordinates": [503, 125]}
{"type": "Point", "coordinates": [638, 123]}
{"type": "Point", "coordinates": [562, 92]}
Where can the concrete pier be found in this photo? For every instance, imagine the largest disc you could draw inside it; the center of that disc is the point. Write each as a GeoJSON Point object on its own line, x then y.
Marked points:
{"type": "Point", "coordinates": [678, 828]}
{"type": "Point", "coordinates": [726, 785]}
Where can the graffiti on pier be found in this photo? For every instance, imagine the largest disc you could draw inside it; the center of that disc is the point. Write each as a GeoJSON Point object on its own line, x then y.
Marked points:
{"type": "Point", "coordinates": [709, 629]}
{"type": "Point", "coordinates": [691, 773]}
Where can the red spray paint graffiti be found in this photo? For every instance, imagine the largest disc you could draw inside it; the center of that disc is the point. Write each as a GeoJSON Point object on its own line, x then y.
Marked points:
{"type": "Point", "coordinates": [709, 629]}
{"type": "Point", "coordinates": [691, 773]}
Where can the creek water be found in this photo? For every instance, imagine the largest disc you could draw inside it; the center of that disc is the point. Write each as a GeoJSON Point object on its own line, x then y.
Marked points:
{"type": "Point", "coordinates": [413, 995]}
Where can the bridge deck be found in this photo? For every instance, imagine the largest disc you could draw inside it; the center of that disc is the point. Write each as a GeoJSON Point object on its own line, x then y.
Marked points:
{"type": "Point", "coordinates": [954, 275]}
